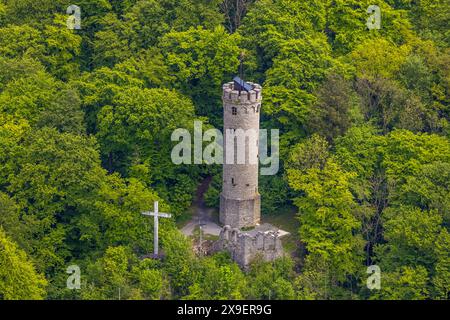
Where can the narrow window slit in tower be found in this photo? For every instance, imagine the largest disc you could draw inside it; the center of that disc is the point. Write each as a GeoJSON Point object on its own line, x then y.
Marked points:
{"type": "Point", "coordinates": [233, 111]}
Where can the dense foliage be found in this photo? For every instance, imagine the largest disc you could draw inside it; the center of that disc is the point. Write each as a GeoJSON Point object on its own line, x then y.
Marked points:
{"type": "Point", "coordinates": [86, 118]}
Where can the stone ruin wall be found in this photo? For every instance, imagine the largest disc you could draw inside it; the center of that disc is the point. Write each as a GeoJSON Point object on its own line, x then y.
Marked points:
{"type": "Point", "coordinates": [244, 246]}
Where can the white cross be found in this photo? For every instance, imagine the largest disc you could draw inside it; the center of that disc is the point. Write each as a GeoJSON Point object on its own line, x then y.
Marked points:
{"type": "Point", "coordinates": [155, 215]}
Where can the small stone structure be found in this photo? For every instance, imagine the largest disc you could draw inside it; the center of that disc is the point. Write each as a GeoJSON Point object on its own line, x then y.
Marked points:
{"type": "Point", "coordinates": [244, 246]}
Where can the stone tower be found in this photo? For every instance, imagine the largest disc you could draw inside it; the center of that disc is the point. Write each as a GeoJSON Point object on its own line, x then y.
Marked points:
{"type": "Point", "coordinates": [240, 199]}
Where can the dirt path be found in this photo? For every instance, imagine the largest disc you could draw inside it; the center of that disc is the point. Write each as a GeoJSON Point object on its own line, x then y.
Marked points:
{"type": "Point", "coordinates": [202, 214]}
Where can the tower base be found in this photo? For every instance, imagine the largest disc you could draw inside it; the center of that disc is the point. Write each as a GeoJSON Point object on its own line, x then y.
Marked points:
{"type": "Point", "coordinates": [240, 213]}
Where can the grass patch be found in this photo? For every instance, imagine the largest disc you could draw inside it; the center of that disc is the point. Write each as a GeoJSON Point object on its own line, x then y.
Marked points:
{"type": "Point", "coordinates": [185, 217]}
{"type": "Point", "coordinates": [211, 237]}
{"type": "Point", "coordinates": [286, 219]}
{"type": "Point", "coordinates": [206, 236]}
{"type": "Point", "coordinates": [215, 214]}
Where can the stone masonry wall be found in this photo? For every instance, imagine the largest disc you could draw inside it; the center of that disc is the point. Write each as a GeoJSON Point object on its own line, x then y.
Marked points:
{"type": "Point", "coordinates": [245, 246]}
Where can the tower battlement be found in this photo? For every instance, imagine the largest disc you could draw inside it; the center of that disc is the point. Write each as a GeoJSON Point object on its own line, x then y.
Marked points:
{"type": "Point", "coordinates": [231, 95]}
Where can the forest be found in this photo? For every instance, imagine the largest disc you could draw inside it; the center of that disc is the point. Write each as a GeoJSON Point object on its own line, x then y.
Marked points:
{"type": "Point", "coordinates": [87, 113]}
